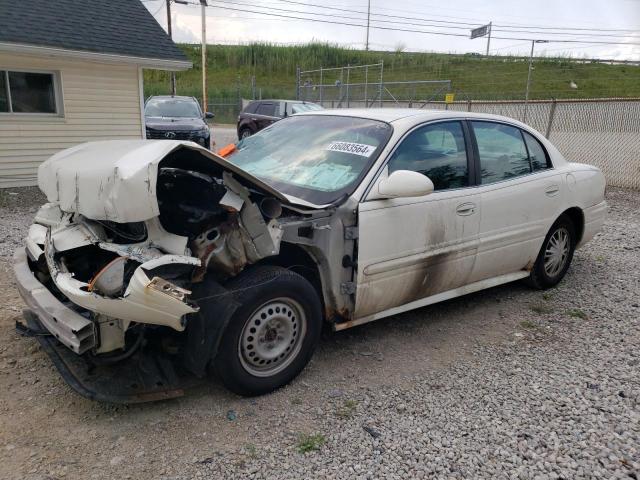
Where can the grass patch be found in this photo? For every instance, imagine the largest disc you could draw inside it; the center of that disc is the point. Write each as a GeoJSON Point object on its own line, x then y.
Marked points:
{"type": "Point", "coordinates": [295, 401]}
{"type": "Point", "coordinates": [230, 68]}
{"type": "Point", "coordinates": [577, 313]}
{"type": "Point", "coordinates": [541, 309]}
{"type": "Point", "coordinates": [310, 443]}
{"type": "Point", "coordinates": [528, 324]}
{"type": "Point", "coordinates": [547, 296]}
{"type": "Point", "coordinates": [252, 450]}
{"type": "Point", "coordinates": [347, 409]}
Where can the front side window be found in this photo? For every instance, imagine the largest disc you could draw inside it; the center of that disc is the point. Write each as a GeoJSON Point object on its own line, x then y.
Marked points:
{"type": "Point", "coordinates": [27, 92]}
{"type": "Point", "coordinates": [537, 154]}
{"type": "Point", "coordinates": [437, 151]}
{"type": "Point", "coordinates": [503, 154]}
{"type": "Point", "coordinates": [316, 158]}
{"type": "Point", "coordinates": [172, 107]}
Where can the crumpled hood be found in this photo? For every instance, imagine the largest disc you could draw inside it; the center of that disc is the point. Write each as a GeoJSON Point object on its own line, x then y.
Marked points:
{"type": "Point", "coordinates": [116, 179]}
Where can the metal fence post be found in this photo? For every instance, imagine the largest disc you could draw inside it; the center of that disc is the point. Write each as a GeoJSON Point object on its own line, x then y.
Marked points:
{"type": "Point", "coordinates": [297, 83]}
{"type": "Point", "coordinates": [321, 87]}
{"type": "Point", "coordinates": [253, 87]}
{"type": "Point", "coordinates": [552, 114]}
{"type": "Point", "coordinates": [348, 74]}
{"type": "Point", "coordinates": [366, 81]}
{"type": "Point", "coordinates": [468, 105]}
{"type": "Point", "coordinates": [239, 94]}
{"type": "Point", "coordinates": [381, 79]}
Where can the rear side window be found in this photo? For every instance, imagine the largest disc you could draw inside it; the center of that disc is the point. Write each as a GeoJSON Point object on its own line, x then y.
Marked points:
{"type": "Point", "coordinates": [251, 108]}
{"type": "Point", "coordinates": [537, 153]}
{"type": "Point", "coordinates": [437, 151]}
{"type": "Point", "coordinates": [503, 154]}
{"type": "Point", "coordinates": [268, 109]}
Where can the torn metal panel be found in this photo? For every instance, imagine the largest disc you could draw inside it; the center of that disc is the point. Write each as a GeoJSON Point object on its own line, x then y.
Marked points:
{"type": "Point", "coordinates": [140, 303]}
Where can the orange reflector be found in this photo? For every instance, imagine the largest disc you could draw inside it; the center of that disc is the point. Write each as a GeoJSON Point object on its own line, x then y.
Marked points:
{"type": "Point", "coordinates": [226, 150]}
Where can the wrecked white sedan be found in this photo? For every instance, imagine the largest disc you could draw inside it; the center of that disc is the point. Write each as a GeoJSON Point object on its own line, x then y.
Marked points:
{"type": "Point", "coordinates": [157, 261]}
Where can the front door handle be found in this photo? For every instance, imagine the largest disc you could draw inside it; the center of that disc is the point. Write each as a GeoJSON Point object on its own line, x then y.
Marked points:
{"type": "Point", "coordinates": [552, 190]}
{"type": "Point", "coordinates": [466, 209]}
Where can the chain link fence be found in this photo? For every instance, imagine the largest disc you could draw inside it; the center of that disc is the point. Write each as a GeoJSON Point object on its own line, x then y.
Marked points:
{"type": "Point", "coordinates": [602, 132]}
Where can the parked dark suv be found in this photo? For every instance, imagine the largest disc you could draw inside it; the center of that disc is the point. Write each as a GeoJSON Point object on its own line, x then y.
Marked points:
{"type": "Point", "coordinates": [262, 113]}
{"type": "Point", "coordinates": [177, 118]}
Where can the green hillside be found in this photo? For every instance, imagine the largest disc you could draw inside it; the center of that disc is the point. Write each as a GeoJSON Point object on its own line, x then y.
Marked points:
{"type": "Point", "coordinates": [230, 69]}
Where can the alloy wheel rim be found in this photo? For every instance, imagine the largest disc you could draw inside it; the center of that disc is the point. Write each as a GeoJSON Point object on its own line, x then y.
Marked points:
{"type": "Point", "coordinates": [556, 252]}
{"type": "Point", "coordinates": [272, 337]}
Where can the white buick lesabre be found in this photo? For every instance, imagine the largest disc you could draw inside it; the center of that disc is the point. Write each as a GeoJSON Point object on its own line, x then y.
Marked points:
{"type": "Point", "coordinates": [164, 250]}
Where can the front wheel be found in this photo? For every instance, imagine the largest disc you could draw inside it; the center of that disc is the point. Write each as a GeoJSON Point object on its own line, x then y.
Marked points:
{"type": "Point", "coordinates": [272, 335]}
{"type": "Point", "coordinates": [555, 255]}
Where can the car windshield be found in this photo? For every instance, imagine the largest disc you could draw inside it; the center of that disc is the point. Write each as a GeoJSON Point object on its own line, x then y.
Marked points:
{"type": "Point", "coordinates": [316, 158]}
{"type": "Point", "coordinates": [304, 107]}
{"type": "Point", "coordinates": [172, 107]}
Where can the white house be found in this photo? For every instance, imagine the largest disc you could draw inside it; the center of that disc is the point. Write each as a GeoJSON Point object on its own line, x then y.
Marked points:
{"type": "Point", "coordinates": [71, 72]}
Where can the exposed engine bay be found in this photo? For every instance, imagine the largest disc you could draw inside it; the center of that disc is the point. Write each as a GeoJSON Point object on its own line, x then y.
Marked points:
{"type": "Point", "coordinates": [127, 276]}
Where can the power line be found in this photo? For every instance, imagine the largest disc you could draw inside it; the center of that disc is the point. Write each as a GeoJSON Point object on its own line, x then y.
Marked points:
{"type": "Point", "coordinates": [475, 24]}
{"type": "Point", "coordinates": [429, 32]}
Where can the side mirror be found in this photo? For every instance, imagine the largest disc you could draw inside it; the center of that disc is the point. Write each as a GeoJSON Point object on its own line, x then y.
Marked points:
{"type": "Point", "coordinates": [405, 183]}
{"type": "Point", "coordinates": [209, 115]}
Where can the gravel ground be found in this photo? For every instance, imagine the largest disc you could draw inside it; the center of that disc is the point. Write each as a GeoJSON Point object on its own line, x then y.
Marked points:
{"type": "Point", "coordinates": [506, 383]}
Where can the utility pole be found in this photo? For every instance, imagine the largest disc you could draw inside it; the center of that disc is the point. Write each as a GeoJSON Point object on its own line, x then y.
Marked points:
{"type": "Point", "coordinates": [368, 16]}
{"type": "Point", "coordinates": [203, 11]}
{"type": "Point", "coordinates": [526, 92]}
{"type": "Point", "coordinates": [489, 38]}
{"type": "Point", "coordinates": [173, 74]}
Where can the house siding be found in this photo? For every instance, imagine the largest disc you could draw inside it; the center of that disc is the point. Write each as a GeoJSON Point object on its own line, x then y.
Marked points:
{"type": "Point", "coordinates": [99, 102]}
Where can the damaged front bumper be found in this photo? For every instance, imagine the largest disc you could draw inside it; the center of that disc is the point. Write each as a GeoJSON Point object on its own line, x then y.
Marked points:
{"type": "Point", "coordinates": [69, 327]}
{"type": "Point", "coordinates": [148, 376]}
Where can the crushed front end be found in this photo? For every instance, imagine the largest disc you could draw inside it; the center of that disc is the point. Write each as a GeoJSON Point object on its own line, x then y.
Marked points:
{"type": "Point", "coordinates": [110, 263]}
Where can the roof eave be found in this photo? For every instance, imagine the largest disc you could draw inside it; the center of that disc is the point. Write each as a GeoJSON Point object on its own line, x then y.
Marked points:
{"type": "Point", "coordinates": [153, 63]}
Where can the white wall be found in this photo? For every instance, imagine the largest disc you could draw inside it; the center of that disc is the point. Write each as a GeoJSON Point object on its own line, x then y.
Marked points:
{"type": "Point", "coordinates": [100, 101]}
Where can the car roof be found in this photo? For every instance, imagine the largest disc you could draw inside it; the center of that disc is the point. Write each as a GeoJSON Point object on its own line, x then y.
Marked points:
{"type": "Point", "coordinates": [177, 97]}
{"type": "Point", "coordinates": [281, 100]}
{"type": "Point", "coordinates": [418, 115]}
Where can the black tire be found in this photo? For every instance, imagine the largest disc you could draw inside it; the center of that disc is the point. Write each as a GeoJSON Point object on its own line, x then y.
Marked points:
{"type": "Point", "coordinates": [259, 288]}
{"type": "Point", "coordinates": [244, 133]}
{"type": "Point", "coordinates": [542, 277]}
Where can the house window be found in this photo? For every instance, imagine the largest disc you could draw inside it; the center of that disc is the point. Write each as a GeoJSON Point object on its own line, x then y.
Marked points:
{"type": "Point", "coordinates": [28, 92]}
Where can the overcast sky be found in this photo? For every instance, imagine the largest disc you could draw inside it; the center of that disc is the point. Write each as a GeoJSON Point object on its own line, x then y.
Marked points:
{"type": "Point", "coordinates": [611, 17]}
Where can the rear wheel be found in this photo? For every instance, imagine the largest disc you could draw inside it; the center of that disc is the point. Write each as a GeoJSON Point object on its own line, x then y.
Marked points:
{"type": "Point", "coordinates": [555, 255]}
{"type": "Point", "coordinates": [272, 335]}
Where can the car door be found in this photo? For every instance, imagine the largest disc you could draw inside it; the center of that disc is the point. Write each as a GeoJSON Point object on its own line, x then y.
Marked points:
{"type": "Point", "coordinates": [521, 196]}
{"type": "Point", "coordinates": [412, 248]}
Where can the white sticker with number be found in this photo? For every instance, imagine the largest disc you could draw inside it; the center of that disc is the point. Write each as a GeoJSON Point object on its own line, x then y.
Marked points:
{"type": "Point", "coordinates": [349, 147]}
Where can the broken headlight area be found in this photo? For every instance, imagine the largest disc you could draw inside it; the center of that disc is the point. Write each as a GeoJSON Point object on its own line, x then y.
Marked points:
{"type": "Point", "coordinates": [227, 225]}
{"type": "Point", "coordinates": [124, 233]}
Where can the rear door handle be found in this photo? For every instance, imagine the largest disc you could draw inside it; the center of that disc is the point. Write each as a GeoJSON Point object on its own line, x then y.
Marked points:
{"type": "Point", "coordinates": [466, 209]}
{"type": "Point", "coordinates": [552, 190]}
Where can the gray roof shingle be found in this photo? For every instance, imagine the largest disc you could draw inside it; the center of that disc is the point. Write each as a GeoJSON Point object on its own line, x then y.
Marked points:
{"type": "Point", "coordinates": [122, 27]}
